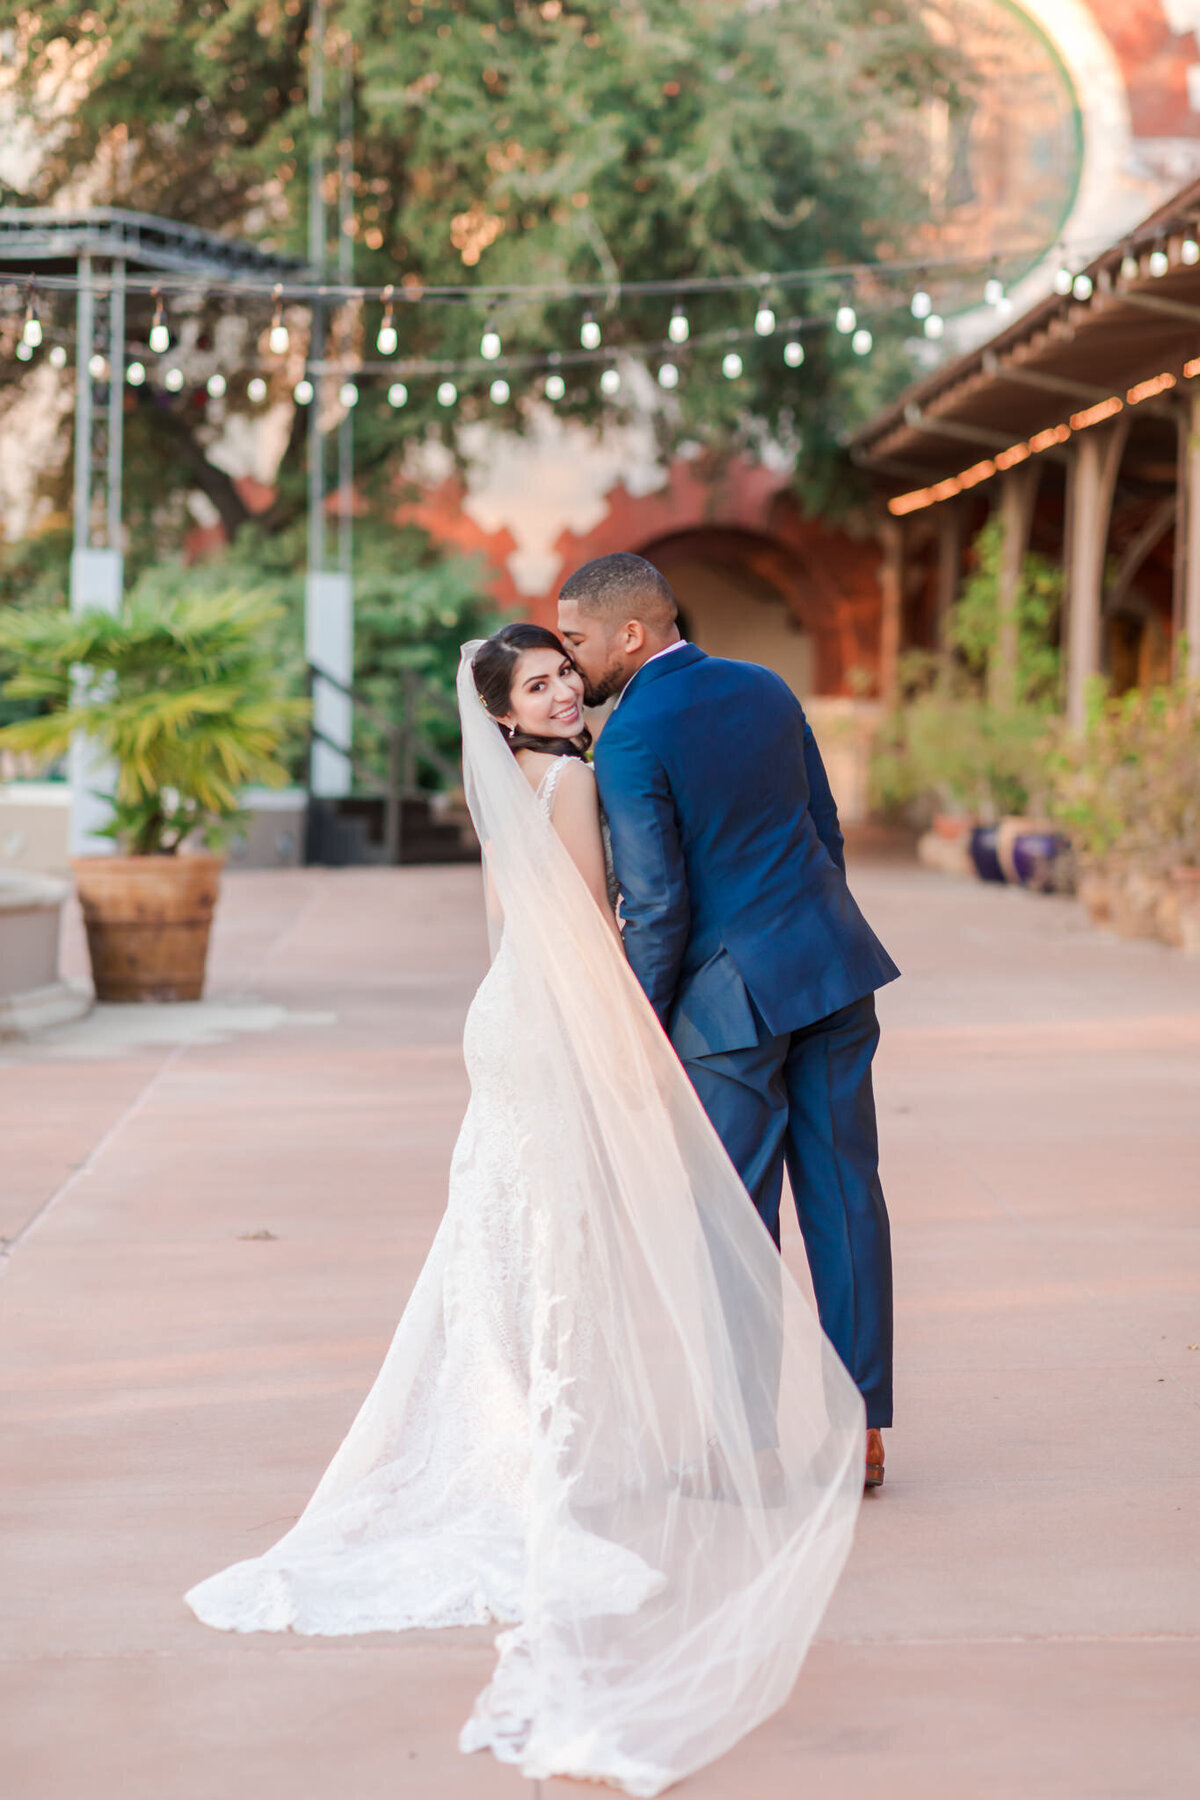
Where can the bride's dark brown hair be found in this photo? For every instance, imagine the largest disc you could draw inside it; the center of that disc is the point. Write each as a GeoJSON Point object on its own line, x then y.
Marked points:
{"type": "Point", "coordinates": [494, 669]}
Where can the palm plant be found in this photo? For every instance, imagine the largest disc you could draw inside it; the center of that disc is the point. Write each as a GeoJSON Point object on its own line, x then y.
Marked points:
{"type": "Point", "coordinates": [183, 695]}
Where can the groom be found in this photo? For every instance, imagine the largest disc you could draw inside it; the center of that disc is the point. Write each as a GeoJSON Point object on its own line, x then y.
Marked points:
{"type": "Point", "coordinates": [741, 929]}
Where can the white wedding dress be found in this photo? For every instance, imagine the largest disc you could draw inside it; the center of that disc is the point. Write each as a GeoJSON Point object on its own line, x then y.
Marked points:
{"type": "Point", "coordinates": [567, 1434]}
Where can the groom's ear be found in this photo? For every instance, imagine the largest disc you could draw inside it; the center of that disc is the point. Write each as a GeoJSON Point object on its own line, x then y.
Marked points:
{"type": "Point", "coordinates": [635, 637]}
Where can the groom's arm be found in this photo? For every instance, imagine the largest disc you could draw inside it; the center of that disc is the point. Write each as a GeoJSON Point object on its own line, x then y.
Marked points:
{"type": "Point", "coordinates": [648, 864]}
{"type": "Point", "coordinates": [821, 803]}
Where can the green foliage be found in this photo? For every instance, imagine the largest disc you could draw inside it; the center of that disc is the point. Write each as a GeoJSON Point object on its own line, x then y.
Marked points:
{"type": "Point", "coordinates": [182, 695]}
{"type": "Point", "coordinates": [975, 622]}
{"type": "Point", "coordinates": [1128, 786]}
{"type": "Point", "coordinates": [502, 141]}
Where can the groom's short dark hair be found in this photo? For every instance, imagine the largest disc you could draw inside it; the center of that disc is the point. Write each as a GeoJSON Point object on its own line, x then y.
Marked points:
{"type": "Point", "coordinates": [622, 584]}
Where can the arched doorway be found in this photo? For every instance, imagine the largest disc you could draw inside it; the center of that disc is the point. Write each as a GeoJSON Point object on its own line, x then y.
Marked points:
{"type": "Point", "coordinates": [733, 601]}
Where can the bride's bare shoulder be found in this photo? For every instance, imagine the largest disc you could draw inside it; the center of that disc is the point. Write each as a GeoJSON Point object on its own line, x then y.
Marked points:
{"type": "Point", "coordinates": [535, 765]}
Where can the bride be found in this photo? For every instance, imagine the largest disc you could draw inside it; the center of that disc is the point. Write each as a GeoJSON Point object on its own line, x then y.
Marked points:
{"type": "Point", "coordinates": [608, 1419]}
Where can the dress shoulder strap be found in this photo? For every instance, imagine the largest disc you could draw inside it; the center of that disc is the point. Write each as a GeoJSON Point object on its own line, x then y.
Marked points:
{"type": "Point", "coordinates": [548, 785]}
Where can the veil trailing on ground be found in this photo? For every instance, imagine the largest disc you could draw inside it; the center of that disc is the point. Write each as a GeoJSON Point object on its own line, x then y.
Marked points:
{"type": "Point", "coordinates": [608, 1420]}
{"type": "Point", "coordinates": [686, 1406]}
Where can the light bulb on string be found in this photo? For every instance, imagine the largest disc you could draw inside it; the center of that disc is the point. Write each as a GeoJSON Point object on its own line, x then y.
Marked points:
{"type": "Point", "coordinates": [845, 320]}
{"type": "Point", "coordinates": [764, 319]}
{"type": "Point", "coordinates": [610, 383]}
{"type": "Point", "coordinates": [1064, 281]}
{"type": "Point", "coordinates": [397, 394]}
{"type": "Point", "coordinates": [302, 393]}
{"type": "Point", "coordinates": [731, 365]}
{"type": "Point", "coordinates": [934, 325]}
{"type": "Point", "coordinates": [993, 291]}
{"type": "Point", "coordinates": [668, 376]}
{"type": "Point", "coordinates": [348, 395]}
{"type": "Point", "coordinates": [58, 357]}
{"type": "Point", "coordinates": [499, 391]}
{"type": "Point", "coordinates": [173, 380]}
{"type": "Point", "coordinates": [388, 338]}
{"type": "Point", "coordinates": [678, 330]}
{"type": "Point", "coordinates": [24, 352]}
{"type": "Point", "coordinates": [135, 374]}
{"type": "Point", "coordinates": [216, 386]}
{"type": "Point", "coordinates": [489, 344]}
{"type": "Point", "coordinates": [256, 390]}
{"type": "Point", "coordinates": [1189, 251]}
{"type": "Point", "coordinates": [31, 331]}
{"type": "Point", "coordinates": [447, 393]}
{"type": "Point", "coordinates": [862, 341]}
{"type": "Point", "coordinates": [278, 337]}
{"type": "Point", "coordinates": [1159, 263]}
{"type": "Point", "coordinates": [1131, 268]}
{"type": "Point", "coordinates": [555, 387]}
{"type": "Point", "coordinates": [1081, 287]}
{"type": "Point", "coordinates": [97, 366]}
{"type": "Point", "coordinates": [159, 339]}
{"type": "Point", "coordinates": [793, 353]}
{"type": "Point", "coordinates": [921, 305]}
{"type": "Point", "coordinates": [589, 333]}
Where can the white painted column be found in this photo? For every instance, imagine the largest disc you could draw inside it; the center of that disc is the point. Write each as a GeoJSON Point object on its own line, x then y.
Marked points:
{"type": "Point", "coordinates": [329, 646]}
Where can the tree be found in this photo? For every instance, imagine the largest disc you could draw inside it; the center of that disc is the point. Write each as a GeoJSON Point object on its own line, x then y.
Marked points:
{"type": "Point", "coordinates": [499, 141]}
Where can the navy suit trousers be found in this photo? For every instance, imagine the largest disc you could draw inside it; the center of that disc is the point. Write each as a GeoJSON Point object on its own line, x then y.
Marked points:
{"type": "Point", "coordinates": [805, 1098]}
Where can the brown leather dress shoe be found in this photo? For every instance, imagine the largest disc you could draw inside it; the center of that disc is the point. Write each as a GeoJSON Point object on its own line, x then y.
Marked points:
{"type": "Point", "coordinates": [874, 1475]}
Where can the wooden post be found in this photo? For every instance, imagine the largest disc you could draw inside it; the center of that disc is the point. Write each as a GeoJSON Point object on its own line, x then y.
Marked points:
{"type": "Point", "coordinates": [948, 521]}
{"type": "Point", "coordinates": [1018, 491]}
{"type": "Point", "coordinates": [891, 583]}
{"type": "Point", "coordinates": [1190, 484]}
{"type": "Point", "coordinates": [1097, 460]}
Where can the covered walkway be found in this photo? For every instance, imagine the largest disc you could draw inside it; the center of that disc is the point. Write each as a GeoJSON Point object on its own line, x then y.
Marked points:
{"type": "Point", "coordinates": [214, 1216]}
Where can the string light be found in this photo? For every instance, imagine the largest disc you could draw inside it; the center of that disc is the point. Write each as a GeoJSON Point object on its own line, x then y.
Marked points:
{"type": "Point", "coordinates": [668, 376]}
{"type": "Point", "coordinates": [1064, 281]}
{"type": "Point", "coordinates": [278, 338]}
{"type": "Point", "coordinates": [135, 374]}
{"type": "Point", "coordinates": [934, 325]}
{"type": "Point", "coordinates": [555, 387]}
{"type": "Point", "coordinates": [1081, 287]}
{"type": "Point", "coordinates": [862, 341]}
{"type": "Point", "coordinates": [993, 291]}
{"type": "Point", "coordinates": [173, 380]}
{"type": "Point", "coordinates": [256, 390]}
{"type": "Point", "coordinates": [447, 393]}
{"type": "Point", "coordinates": [731, 365]}
{"type": "Point", "coordinates": [499, 391]}
{"type": "Point", "coordinates": [489, 343]}
{"type": "Point", "coordinates": [845, 320]}
{"type": "Point", "coordinates": [920, 305]}
{"type": "Point", "coordinates": [302, 393]}
{"type": "Point", "coordinates": [348, 395]}
{"type": "Point", "coordinates": [764, 319]}
{"type": "Point", "coordinates": [397, 394]}
{"type": "Point", "coordinates": [589, 333]}
{"type": "Point", "coordinates": [31, 331]}
{"type": "Point", "coordinates": [24, 352]}
{"type": "Point", "coordinates": [388, 338]}
{"type": "Point", "coordinates": [216, 385]}
{"type": "Point", "coordinates": [97, 366]}
{"type": "Point", "coordinates": [58, 357]}
{"type": "Point", "coordinates": [1159, 263]}
{"type": "Point", "coordinates": [678, 330]}
{"type": "Point", "coordinates": [1189, 252]}
{"type": "Point", "coordinates": [610, 382]}
{"type": "Point", "coordinates": [1131, 268]}
{"type": "Point", "coordinates": [159, 339]}
{"type": "Point", "coordinates": [793, 354]}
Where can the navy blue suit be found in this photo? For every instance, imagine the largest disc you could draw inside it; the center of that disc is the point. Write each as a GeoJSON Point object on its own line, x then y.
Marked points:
{"type": "Point", "coordinates": [741, 928]}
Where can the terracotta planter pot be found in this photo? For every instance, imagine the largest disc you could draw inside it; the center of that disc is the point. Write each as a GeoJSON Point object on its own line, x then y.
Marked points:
{"type": "Point", "coordinates": [1185, 886]}
{"type": "Point", "coordinates": [1135, 903]}
{"type": "Point", "coordinates": [148, 920]}
{"type": "Point", "coordinates": [946, 846]}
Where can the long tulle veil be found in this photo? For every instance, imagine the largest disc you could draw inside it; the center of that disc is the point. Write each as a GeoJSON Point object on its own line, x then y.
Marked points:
{"type": "Point", "coordinates": [693, 1429]}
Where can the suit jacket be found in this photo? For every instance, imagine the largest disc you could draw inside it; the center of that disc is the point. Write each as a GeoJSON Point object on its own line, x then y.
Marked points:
{"type": "Point", "coordinates": [728, 855]}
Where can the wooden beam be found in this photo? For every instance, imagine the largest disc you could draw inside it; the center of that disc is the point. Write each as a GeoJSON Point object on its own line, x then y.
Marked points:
{"type": "Point", "coordinates": [1191, 565]}
{"type": "Point", "coordinates": [1018, 491]}
{"type": "Point", "coordinates": [891, 582]}
{"type": "Point", "coordinates": [949, 521]}
{"type": "Point", "coordinates": [1097, 461]}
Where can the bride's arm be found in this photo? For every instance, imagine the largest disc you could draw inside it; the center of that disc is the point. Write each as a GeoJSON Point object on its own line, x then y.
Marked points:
{"type": "Point", "coordinates": [577, 822]}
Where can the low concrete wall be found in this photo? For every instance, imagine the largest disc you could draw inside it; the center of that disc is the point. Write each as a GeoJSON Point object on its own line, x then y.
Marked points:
{"type": "Point", "coordinates": [35, 826]}
{"type": "Point", "coordinates": [31, 995]}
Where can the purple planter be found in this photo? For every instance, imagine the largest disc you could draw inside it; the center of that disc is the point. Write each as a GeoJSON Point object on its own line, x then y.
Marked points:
{"type": "Point", "coordinates": [983, 853]}
{"type": "Point", "coordinates": [1034, 855]}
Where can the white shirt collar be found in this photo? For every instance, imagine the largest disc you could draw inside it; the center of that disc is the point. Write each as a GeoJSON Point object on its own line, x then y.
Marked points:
{"type": "Point", "coordinates": [679, 644]}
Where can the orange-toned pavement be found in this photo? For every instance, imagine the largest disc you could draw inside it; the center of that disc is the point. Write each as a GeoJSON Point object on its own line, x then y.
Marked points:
{"type": "Point", "coordinates": [215, 1215]}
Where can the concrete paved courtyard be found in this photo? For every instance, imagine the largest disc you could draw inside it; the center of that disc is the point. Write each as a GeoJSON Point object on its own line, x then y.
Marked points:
{"type": "Point", "coordinates": [214, 1216]}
